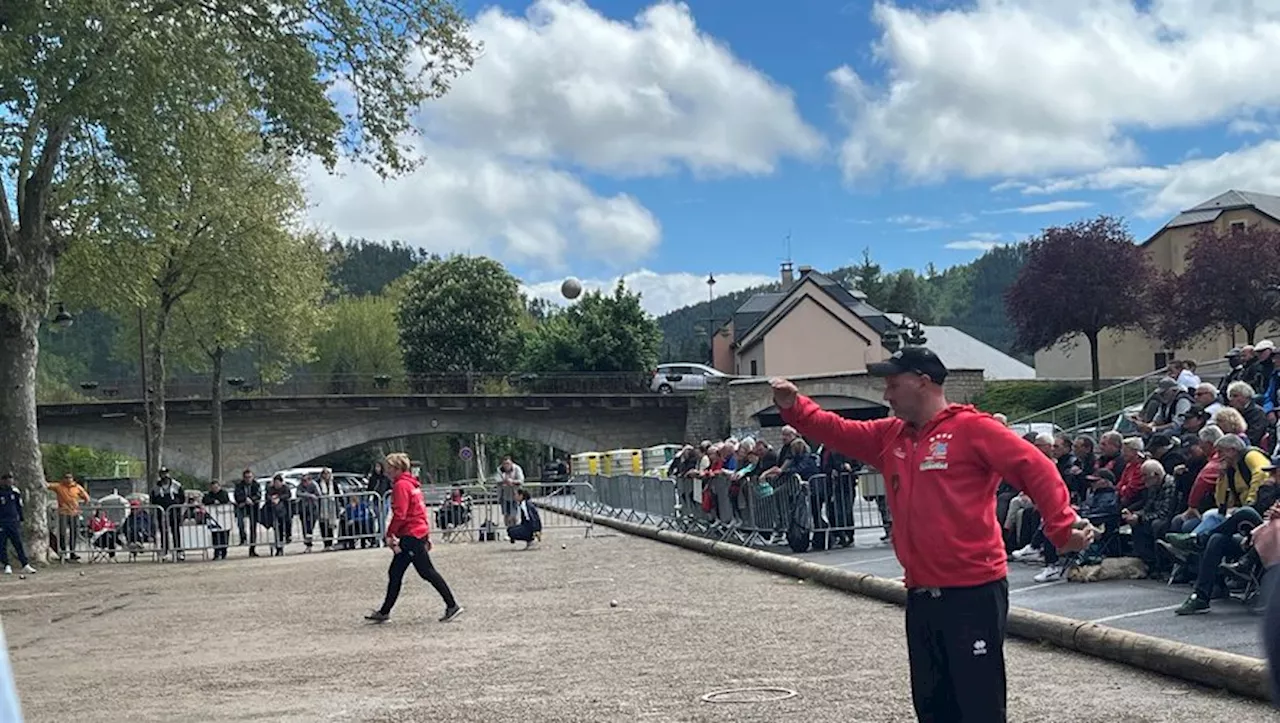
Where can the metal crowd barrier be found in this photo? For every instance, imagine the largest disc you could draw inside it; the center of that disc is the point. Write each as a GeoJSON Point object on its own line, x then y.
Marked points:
{"type": "Point", "coordinates": [749, 511]}
{"type": "Point", "coordinates": [484, 512]}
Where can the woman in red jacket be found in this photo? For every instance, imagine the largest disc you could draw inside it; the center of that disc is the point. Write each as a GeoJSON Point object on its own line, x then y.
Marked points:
{"type": "Point", "coordinates": [409, 537]}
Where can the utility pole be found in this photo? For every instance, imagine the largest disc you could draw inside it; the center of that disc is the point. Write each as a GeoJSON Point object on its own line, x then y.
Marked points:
{"type": "Point", "coordinates": [148, 466]}
{"type": "Point", "coordinates": [711, 319]}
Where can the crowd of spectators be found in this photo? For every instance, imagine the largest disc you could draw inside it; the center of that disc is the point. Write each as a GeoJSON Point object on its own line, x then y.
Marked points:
{"type": "Point", "coordinates": [1182, 489]}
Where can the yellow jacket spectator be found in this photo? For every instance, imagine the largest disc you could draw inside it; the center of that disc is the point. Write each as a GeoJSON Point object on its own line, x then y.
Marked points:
{"type": "Point", "coordinates": [1244, 470]}
{"type": "Point", "coordinates": [70, 494]}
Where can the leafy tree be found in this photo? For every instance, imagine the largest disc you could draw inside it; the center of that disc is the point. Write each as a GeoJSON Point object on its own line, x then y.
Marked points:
{"type": "Point", "coordinates": [361, 341]}
{"type": "Point", "coordinates": [598, 334]}
{"type": "Point", "coordinates": [868, 278]}
{"type": "Point", "coordinates": [972, 296]}
{"type": "Point", "coordinates": [907, 295]}
{"type": "Point", "coordinates": [460, 314]}
{"type": "Point", "coordinates": [1079, 279]}
{"type": "Point", "coordinates": [85, 87]}
{"type": "Point", "coordinates": [268, 291]}
{"type": "Point", "coordinates": [364, 268]}
{"type": "Point", "coordinates": [195, 227]}
{"type": "Point", "coordinates": [1231, 280]}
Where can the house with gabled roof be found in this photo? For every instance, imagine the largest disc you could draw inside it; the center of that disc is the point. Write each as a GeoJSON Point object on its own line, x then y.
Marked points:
{"type": "Point", "coordinates": [815, 325]}
{"type": "Point", "coordinates": [1130, 354]}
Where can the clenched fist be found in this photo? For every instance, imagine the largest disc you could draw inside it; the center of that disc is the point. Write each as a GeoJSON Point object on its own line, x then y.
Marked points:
{"type": "Point", "coordinates": [784, 392]}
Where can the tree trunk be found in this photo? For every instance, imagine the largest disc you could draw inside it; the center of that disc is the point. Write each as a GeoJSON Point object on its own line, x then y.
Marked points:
{"type": "Point", "coordinates": [1250, 332]}
{"type": "Point", "coordinates": [19, 436]}
{"type": "Point", "coordinates": [156, 396]}
{"type": "Point", "coordinates": [1095, 374]}
{"type": "Point", "coordinates": [215, 422]}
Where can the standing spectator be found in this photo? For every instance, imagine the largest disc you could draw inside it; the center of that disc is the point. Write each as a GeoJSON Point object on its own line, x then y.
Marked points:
{"type": "Point", "coordinates": [1187, 376]}
{"type": "Point", "coordinates": [308, 509]}
{"type": "Point", "coordinates": [69, 494]}
{"type": "Point", "coordinates": [330, 500]}
{"type": "Point", "coordinates": [1236, 362]}
{"type": "Point", "coordinates": [380, 484]}
{"type": "Point", "coordinates": [248, 497]}
{"type": "Point", "coordinates": [168, 496]}
{"type": "Point", "coordinates": [11, 517]}
{"type": "Point", "coordinates": [276, 515]}
{"type": "Point", "coordinates": [511, 477]}
{"type": "Point", "coordinates": [221, 536]}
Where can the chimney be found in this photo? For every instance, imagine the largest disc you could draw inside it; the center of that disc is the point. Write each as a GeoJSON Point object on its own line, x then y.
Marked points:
{"type": "Point", "coordinates": [788, 278]}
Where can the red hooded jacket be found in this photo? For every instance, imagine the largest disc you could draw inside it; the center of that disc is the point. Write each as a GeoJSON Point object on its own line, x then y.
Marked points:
{"type": "Point", "coordinates": [941, 481]}
{"type": "Point", "coordinates": [408, 511]}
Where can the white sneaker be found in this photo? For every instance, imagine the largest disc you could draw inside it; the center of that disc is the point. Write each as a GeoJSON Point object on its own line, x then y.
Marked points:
{"type": "Point", "coordinates": [8, 570]}
{"type": "Point", "coordinates": [27, 569]}
{"type": "Point", "coordinates": [1051, 573]}
{"type": "Point", "coordinates": [1026, 554]}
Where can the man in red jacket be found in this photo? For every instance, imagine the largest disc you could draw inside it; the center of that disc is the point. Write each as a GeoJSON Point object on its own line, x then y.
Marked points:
{"type": "Point", "coordinates": [941, 463]}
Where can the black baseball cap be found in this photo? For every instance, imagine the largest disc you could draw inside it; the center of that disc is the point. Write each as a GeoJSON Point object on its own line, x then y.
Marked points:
{"type": "Point", "coordinates": [6, 475]}
{"type": "Point", "coordinates": [911, 360]}
{"type": "Point", "coordinates": [1198, 411]}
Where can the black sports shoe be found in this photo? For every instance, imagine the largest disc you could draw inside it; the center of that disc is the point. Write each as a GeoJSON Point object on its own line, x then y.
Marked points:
{"type": "Point", "coordinates": [377, 616]}
{"type": "Point", "coordinates": [451, 613]}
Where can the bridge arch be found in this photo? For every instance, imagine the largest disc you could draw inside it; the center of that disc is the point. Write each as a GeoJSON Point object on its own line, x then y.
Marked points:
{"type": "Point", "coordinates": [375, 430]}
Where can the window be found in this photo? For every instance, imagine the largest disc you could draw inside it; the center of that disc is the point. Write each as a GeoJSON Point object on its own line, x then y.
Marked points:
{"type": "Point", "coordinates": [1162, 360]}
{"type": "Point", "coordinates": [753, 368]}
{"type": "Point", "coordinates": [1237, 226]}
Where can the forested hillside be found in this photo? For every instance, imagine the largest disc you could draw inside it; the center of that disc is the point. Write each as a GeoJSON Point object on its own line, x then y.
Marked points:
{"type": "Point", "coordinates": [969, 297]}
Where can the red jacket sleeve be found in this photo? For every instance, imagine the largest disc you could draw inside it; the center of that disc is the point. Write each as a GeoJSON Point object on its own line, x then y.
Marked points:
{"type": "Point", "coordinates": [1029, 470]}
{"type": "Point", "coordinates": [399, 507]}
{"type": "Point", "coordinates": [863, 441]}
{"type": "Point", "coordinates": [1206, 481]}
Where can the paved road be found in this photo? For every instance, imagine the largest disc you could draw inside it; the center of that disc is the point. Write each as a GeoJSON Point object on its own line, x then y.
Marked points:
{"type": "Point", "coordinates": [1141, 606]}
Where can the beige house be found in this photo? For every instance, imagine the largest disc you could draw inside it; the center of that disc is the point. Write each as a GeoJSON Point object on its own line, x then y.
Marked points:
{"type": "Point", "coordinates": [817, 326]}
{"type": "Point", "coordinates": [1131, 354]}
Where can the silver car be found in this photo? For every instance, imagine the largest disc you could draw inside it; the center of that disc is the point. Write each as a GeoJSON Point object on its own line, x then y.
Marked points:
{"type": "Point", "coordinates": [682, 377]}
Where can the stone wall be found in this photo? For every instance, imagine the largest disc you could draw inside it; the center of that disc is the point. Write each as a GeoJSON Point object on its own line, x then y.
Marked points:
{"type": "Point", "coordinates": [709, 412]}
{"type": "Point", "coordinates": [749, 396]}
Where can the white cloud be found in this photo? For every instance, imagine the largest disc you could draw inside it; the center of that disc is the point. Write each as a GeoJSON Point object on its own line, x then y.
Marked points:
{"type": "Point", "coordinates": [1165, 190]}
{"type": "Point", "coordinates": [972, 244]}
{"type": "Point", "coordinates": [1246, 126]}
{"type": "Point", "coordinates": [558, 89]}
{"type": "Point", "coordinates": [659, 293]}
{"type": "Point", "coordinates": [918, 223]}
{"type": "Point", "coordinates": [1050, 207]}
{"type": "Point", "coordinates": [467, 201]}
{"type": "Point", "coordinates": [1028, 87]}
{"type": "Point", "coordinates": [641, 97]}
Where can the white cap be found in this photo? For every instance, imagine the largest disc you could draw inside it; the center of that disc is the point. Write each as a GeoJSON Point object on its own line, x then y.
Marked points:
{"type": "Point", "coordinates": [1265, 345]}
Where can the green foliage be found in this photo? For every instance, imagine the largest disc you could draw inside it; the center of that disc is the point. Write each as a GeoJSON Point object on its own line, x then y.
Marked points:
{"type": "Point", "coordinates": [598, 334]}
{"type": "Point", "coordinates": [365, 268]}
{"type": "Point", "coordinates": [461, 313]}
{"type": "Point", "coordinates": [362, 339]}
{"type": "Point", "coordinates": [84, 462]}
{"type": "Point", "coordinates": [1017, 398]}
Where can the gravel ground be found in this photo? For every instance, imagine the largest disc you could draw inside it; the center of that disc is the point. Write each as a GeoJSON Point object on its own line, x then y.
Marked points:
{"type": "Point", "coordinates": [283, 640]}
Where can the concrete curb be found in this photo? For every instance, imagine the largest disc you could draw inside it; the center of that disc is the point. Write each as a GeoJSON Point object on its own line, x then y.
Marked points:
{"type": "Point", "coordinates": [1238, 674]}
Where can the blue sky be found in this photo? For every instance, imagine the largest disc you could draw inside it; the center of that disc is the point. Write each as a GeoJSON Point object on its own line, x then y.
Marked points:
{"type": "Point", "coordinates": [662, 141]}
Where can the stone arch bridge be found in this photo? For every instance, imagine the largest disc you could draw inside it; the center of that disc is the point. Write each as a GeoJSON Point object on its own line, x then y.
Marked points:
{"type": "Point", "coordinates": [270, 433]}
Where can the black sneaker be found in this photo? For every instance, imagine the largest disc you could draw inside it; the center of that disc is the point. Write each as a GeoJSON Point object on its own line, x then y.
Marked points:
{"type": "Point", "coordinates": [451, 614]}
{"type": "Point", "coordinates": [1194, 605]}
{"type": "Point", "coordinates": [377, 616]}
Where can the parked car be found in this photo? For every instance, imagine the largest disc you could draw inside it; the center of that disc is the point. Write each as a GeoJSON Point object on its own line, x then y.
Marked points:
{"type": "Point", "coordinates": [682, 377]}
{"type": "Point", "coordinates": [1038, 427]}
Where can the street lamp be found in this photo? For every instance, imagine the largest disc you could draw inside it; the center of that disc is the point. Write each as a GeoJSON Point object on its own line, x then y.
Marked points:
{"type": "Point", "coordinates": [711, 318]}
{"type": "Point", "coordinates": [915, 336]}
{"type": "Point", "coordinates": [892, 339]}
{"type": "Point", "coordinates": [63, 318]}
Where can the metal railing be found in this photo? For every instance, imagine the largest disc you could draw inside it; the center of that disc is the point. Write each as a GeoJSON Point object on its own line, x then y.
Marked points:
{"type": "Point", "coordinates": [129, 531]}
{"type": "Point", "coordinates": [827, 511]}
{"type": "Point", "coordinates": [1099, 409]}
{"type": "Point", "coordinates": [301, 385]}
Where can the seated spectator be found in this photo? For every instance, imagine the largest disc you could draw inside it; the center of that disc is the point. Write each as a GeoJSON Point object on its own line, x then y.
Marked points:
{"type": "Point", "coordinates": [1174, 402]}
{"type": "Point", "coordinates": [1099, 509]}
{"type": "Point", "coordinates": [1206, 397]}
{"type": "Point", "coordinates": [139, 528]}
{"type": "Point", "coordinates": [530, 523]}
{"type": "Point", "coordinates": [1229, 541]}
{"type": "Point", "coordinates": [1201, 495]}
{"type": "Point", "coordinates": [1164, 449]}
{"type": "Point", "coordinates": [1259, 370]}
{"type": "Point", "coordinates": [1197, 419]}
{"type": "Point", "coordinates": [1187, 377]}
{"type": "Point", "coordinates": [102, 533]}
{"type": "Point", "coordinates": [1130, 482]}
{"type": "Point", "coordinates": [1240, 397]}
{"type": "Point", "coordinates": [1110, 456]}
{"type": "Point", "coordinates": [1149, 519]}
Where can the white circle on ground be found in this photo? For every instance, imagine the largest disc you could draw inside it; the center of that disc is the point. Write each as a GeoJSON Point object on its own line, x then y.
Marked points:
{"type": "Point", "coordinates": [765, 694]}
